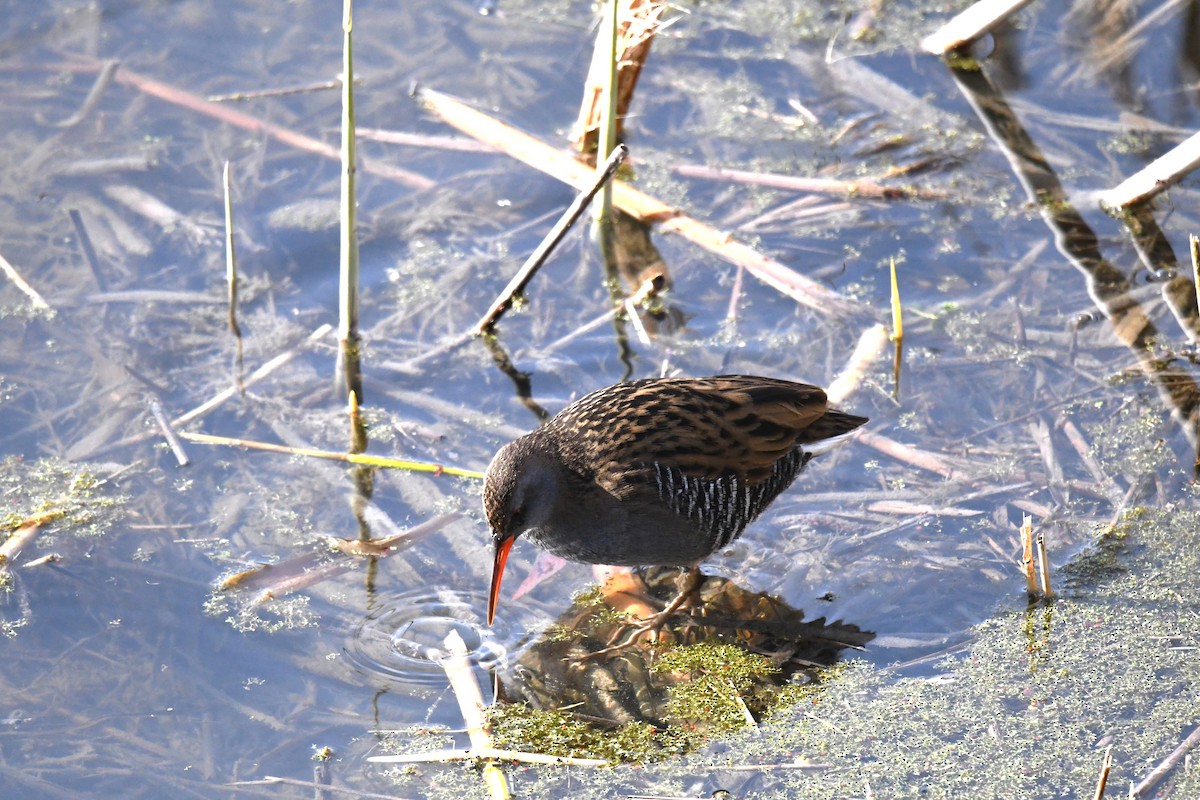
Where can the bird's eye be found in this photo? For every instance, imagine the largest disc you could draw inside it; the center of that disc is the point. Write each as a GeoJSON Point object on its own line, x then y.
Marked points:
{"type": "Point", "coordinates": [518, 514]}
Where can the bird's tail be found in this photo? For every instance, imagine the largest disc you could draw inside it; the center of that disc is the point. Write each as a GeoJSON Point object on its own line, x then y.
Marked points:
{"type": "Point", "coordinates": [832, 429]}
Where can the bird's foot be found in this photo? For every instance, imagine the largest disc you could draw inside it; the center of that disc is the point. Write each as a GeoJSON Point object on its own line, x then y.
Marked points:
{"type": "Point", "coordinates": [631, 633]}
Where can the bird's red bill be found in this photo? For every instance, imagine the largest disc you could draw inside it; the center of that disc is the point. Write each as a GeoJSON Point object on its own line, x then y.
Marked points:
{"type": "Point", "coordinates": [502, 548]}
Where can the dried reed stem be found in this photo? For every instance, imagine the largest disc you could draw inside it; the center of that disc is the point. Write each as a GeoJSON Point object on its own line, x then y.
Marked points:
{"type": "Point", "coordinates": [897, 336]}
{"type": "Point", "coordinates": [540, 156]}
{"type": "Point", "coordinates": [1044, 566]}
{"type": "Point", "coordinates": [470, 703]}
{"type": "Point", "coordinates": [1031, 583]}
{"type": "Point", "coordinates": [348, 261]}
{"type": "Point", "coordinates": [1105, 768]}
{"type": "Point", "coordinates": [861, 188]}
{"type": "Point", "coordinates": [1194, 250]}
{"type": "Point", "coordinates": [351, 458]}
{"type": "Point", "coordinates": [969, 24]}
{"type": "Point", "coordinates": [871, 343]}
{"type": "Point", "coordinates": [519, 756]}
{"type": "Point", "coordinates": [230, 253]}
{"type": "Point", "coordinates": [556, 234]}
{"type": "Point", "coordinates": [1157, 176]}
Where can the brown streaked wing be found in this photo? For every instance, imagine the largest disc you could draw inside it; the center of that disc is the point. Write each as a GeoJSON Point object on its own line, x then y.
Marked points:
{"type": "Point", "coordinates": [706, 428]}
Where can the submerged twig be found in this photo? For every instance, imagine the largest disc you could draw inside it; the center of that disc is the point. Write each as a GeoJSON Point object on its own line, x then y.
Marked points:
{"type": "Point", "coordinates": [273, 780]}
{"type": "Point", "coordinates": [93, 97]}
{"type": "Point", "coordinates": [282, 91]}
{"type": "Point", "coordinates": [861, 187]}
{"type": "Point", "coordinates": [35, 299]}
{"type": "Point", "coordinates": [89, 250]}
{"type": "Point", "coordinates": [909, 454]}
{"type": "Point", "coordinates": [459, 144]}
{"type": "Point", "coordinates": [220, 397]}
{"type": "Point", "coordinates": [263, 371]}
{"type": "Point", "coordinates": [147, 205]}
{"type": "Point", "coordinates": [1168, 763]}
{"type": "Point", "coordinates": [168, 432]}
{"type": "Point", "coordinates": [192, 102]}
{"type": "Point", "coordinates": [649, 288]}
{"type": "Point", "coordinates": [303, 571]}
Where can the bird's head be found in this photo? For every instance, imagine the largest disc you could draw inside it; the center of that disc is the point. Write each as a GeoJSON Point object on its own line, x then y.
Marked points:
{"type": "Point", "coordinates": [520, 490]}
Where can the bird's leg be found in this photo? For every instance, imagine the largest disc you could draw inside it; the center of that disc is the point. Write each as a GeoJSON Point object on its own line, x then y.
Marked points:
{"type": "Point", "coordinates": [687, 583]}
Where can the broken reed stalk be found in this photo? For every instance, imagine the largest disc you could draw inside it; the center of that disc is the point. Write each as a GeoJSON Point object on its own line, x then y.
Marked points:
{"type": "Point", "coordinates": [637, 21]}
{"type": "Point", "coordinates": [470, 703]}
{"type": "Point", "coordinates": [1169, 763]}
{"type": "Point", "coordinates": [230, 255]}
{"type": "Point", "coordinates": [1044, 566]}
{"type": "Point", "coordinates": [351, 458]}
{"type": "Point", "coordinates": [348, 262]}
{"type": "Point", "coordinates": [490, 753]}
{"type": "Point", "coordinates": [556, 234]}
{"type": "Point", "coordinates": [1194, 250]}
{"type": "Point", "coordinates": [871, 344]}
{"type": "Point", "coordinates": [231, 281]}
{"type": "Point", "coordinates": [897, 332]}
{"type": "Point", "coordinates": [1157, 176]}
{"type": "Point", "coordinates": [969, 24]}
{"type": "Point", "coordinates": [89, 249]}
{"type": "Point", "coordinates": [897, 314]}
{"type": "Point", "coordinates": [1031, 583]}
{"type": "Point", "coordinates": [647, 291]}
{"type": "Point", "coordinates": [602, 211]}
{"type": "Point", "coordinates": [1105, 768]}
{"type": "Point", "coordinates": [525, 148]}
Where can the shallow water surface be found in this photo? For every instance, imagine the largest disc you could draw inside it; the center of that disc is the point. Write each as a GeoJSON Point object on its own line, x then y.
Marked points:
{"type": "Point", "coordinates": [1045, 372]}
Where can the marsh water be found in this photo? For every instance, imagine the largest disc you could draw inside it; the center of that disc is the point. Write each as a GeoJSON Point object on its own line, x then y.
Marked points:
{"type": "Point", "coordinates": [220, 629]}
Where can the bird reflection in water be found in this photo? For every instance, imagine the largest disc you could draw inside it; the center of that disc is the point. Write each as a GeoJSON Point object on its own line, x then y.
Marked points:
{"type": "Point", "coordinates": [574, 666]}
